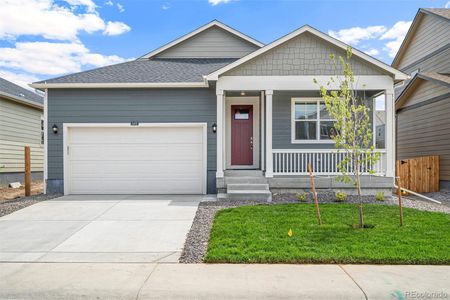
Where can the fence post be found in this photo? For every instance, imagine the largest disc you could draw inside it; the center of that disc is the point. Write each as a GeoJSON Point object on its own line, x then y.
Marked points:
{"type": "Point", "coordinates": [27, 171]}
{"type": "Point", "coordinates": [400, 204]}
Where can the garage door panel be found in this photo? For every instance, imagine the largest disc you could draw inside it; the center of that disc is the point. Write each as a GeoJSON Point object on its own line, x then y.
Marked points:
{"type": "Point", "coordinates": [130, 160]}
{"type": "Point", "coordinates": [135, 169]}
{"type": "Point", "coordinates": [135, 135]}
{"type": "Point", "coordinates": [136, 152]}
{"type": "Point", "coordinates": [136, 187]}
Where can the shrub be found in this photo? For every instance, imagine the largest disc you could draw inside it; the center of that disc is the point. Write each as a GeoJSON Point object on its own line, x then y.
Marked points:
{"type": "Point", "coordinates": [341, 197]}
{"type": "Point", "coordinates": [301, 197]}
{"type": "Point", "coordinates": [379, 196]}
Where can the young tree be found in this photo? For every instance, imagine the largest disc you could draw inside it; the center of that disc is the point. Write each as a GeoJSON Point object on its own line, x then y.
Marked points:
{"type": "Point", "coordinates": [353, 130]}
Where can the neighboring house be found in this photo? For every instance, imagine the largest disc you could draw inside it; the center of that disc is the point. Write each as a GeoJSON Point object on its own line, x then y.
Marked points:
{"type": "Point", "coordinates": [21, 121]}
{"type": "Point", "coordinates": [204, 112]}
{"type": "Point", "coordinates": [423, 103]}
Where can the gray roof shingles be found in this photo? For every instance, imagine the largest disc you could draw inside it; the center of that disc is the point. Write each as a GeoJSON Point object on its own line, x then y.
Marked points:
{"type": "Point", "coordinates": [148, 71]}
{"type": "Point", "coordinates": [443, 12]}
{"type": "Point", "coordinates": [19, 92]}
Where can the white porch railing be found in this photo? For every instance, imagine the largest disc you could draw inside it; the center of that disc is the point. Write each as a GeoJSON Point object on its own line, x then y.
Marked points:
{"type": "Point", "coordinates": [325, 162]}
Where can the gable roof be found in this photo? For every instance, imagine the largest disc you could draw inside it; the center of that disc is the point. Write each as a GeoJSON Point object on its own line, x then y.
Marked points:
{"type": "Point", "coordinates": [398, 75]}
{"type": "Point", "coordinates": [199, 30]}
{"type": "Point", "coordinates": [181, 72]}
{"type": "Point", "coordinates": [17, 93]}
{"type": "Point", "coordinates": [443, 13]}
{"type": "Point", "coordinates": [439, 78]}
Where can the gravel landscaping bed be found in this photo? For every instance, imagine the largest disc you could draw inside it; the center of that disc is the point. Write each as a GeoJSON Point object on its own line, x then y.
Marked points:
{"type": "Point", "coordinates": [10, 206]}
{"type": "Point", "coordinates": [418, 203]}
{"type": "Point", "coordinates": [197, 239]}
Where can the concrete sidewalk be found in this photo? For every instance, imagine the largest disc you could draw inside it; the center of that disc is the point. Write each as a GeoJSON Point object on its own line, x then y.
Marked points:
{"type": "Point", "coordinates": [201, 281]}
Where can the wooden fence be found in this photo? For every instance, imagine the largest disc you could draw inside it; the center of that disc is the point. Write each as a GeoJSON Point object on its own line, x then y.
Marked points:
{"type": "Point", "coordinates": [419, 174]}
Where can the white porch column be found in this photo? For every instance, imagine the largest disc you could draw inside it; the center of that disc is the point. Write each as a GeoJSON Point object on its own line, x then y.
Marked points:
{"type": "Point", "coordinates": [390, 133]}
{"type": "Point", "coordinates": [220, 133]}
{"type": "Point", "coordinates": [269, 157]}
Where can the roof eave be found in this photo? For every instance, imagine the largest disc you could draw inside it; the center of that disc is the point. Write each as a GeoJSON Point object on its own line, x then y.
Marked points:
{"type": "Point", "coordinates": [21, 100]}
{"type": "Point", "coordinates": [44, 85]}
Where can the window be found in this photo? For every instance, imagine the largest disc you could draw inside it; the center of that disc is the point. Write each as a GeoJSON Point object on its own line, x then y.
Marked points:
{"type": "Point", "coordinates": [242, 114]}
{"type": "Point", "coordinates": [311, 121]}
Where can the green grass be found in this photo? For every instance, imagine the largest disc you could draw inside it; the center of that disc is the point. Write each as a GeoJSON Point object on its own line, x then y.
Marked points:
{"type": "Point", "coordinates": [258, 234]}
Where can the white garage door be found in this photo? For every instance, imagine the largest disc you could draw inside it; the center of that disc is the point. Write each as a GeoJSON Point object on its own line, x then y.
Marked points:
{"type": "Point", "coordinates": [158, 159]}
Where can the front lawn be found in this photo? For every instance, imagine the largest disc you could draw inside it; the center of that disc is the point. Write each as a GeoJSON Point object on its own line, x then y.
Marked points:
{"type": "Point", "coordinates": [258, 234]}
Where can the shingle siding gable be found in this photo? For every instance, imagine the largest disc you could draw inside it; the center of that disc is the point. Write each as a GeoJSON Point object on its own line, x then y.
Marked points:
{"type": "Point", "coordinates": [303, 55]}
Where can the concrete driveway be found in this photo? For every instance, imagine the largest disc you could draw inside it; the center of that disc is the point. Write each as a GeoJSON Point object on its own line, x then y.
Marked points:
{"type": "Point", "coordinates": [99, 229]}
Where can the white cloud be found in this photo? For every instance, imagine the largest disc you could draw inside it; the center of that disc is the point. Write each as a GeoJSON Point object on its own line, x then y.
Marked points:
{"type": "Point", "coordinates": [21, 79]}
{"type": "Point", "coordinates": [109, 3]}
{"type": "Point", "coordinates": [216, 2]}
{"type": "Point", "coordinates": [391, 37]}
{"type": "Point", "coordinates": [447, 5]}
{"type": "Point", "coordinates": [165, 6]}
{"type": "Point", "coordinates": [116, 28]}
{"type": "Point", "coordinates": [372, 52]}
{"type": "Point", "coordinates": [398, 31]}
{"type": "Point", "coordinates": [52, 58]}
{"type": "Point", "coordinates": [396, 34]}
{"type": "Point", "coordinates": [354, 35]}
{"type": "Point", "coordinates": [89, 4]}
{"type": "Point", "coordinates": [46, 19]}
{"type": "Point", "coordinates": [120, 7]}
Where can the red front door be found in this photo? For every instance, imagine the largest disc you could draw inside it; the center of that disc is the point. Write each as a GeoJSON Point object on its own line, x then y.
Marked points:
{"type": "Point", "coordinates": [242, 135]}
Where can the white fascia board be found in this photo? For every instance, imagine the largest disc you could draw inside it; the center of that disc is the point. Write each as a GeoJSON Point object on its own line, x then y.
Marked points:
{"type": "Point", "coordinates": [21, 100]}
{"type": "Point", "coordinates": [293, 83]}
{"type": "Point", "coordinates": [197, 31]}
{"type": "Point", "coordinates": [398, 75]}
{"type": "Point", "coordinates": [120, 85]}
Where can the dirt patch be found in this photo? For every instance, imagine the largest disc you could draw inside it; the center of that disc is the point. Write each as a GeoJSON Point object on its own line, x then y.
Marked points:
{"type": "Point", "coordinates": [7, 193]}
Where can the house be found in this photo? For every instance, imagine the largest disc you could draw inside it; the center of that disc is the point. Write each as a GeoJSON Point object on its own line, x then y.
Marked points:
{"type": "Point", "coordinates": [213, 111]}
{"type": "Point", "coordinates": [21, 124]}
{"type": "Point", "coordinates": [423, 103]}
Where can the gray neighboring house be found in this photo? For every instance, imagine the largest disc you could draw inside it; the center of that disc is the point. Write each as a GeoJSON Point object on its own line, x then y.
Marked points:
{"type": "Point", "coordinates": [423, 102]}
{"type": "Point", "coordinates": [21, 124]}
{"type": "Point", "coordinates": [214, 111]}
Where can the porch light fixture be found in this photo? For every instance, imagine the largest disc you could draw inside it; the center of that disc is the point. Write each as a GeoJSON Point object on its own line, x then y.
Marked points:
{"type": "Point", "coordinates": [214, 127]}
{"type": "Point", "coordinates": [55, 129]}
{"type": "Point", "coordinates": [242, 93]}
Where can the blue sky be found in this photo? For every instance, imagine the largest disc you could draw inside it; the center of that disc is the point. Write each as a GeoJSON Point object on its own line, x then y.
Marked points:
{"type": "Point", "coordinates": [41, 39]}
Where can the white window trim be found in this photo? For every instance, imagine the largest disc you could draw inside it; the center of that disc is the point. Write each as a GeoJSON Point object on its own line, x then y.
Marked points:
{"type": "Point", "coordinates": [317, 140]}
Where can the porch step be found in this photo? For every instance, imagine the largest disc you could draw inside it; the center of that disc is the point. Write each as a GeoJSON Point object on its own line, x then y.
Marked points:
{"type": "Point", "coordinates": [245, 180]}
{"type": "Point", "coordinates": [248, 187]}
{"type": "Point", "coordinates": [264, 195]}
{"type": "Point", "coordinates": [243, 173]}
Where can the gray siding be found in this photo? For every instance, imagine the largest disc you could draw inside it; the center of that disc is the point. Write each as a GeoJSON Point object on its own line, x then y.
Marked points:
{"type": "Point", "coordinates": [212, 43]}
{"type": "Point", "coordinates": [126, 105]}
{"type": "Point", "coordinates": [20, 126]}
{"type": "Point", "coordinates": [305, 54]}
{"type": "Point", "coordinates": [438, 62]}
{"type": "Point", "coordinates": [432, 34]}
{"type": "Point", "coordinates": [424, 91]}
{"type": "Point", "coordinates": [281, 126]}
{"type": "Point", "coordinates": [425, 130]}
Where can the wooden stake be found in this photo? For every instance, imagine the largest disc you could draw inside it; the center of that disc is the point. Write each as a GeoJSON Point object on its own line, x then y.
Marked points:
{"type": "Point", "coordinates": [400, 205]}
{"type": "Point", "coordinates": [27, 171]}
{"type": "Point", "coordinates": [313, 187]}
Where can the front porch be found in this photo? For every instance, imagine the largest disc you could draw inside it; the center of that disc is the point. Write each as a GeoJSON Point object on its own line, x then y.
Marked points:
{"type": "Point", "coordinates": [278, 149]}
